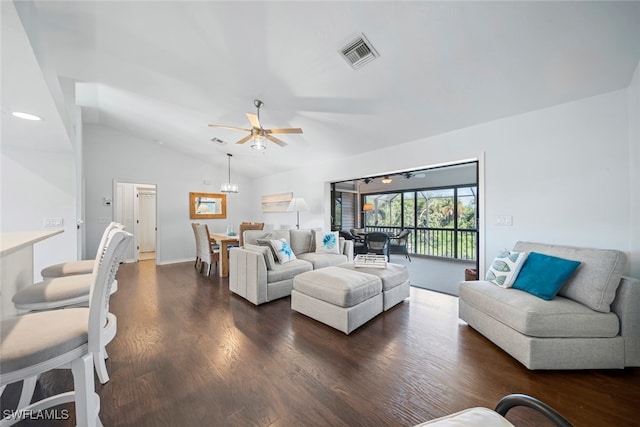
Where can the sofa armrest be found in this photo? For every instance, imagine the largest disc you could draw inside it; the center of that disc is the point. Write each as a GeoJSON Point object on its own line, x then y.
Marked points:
{"type": "Point", "coordinates": [346, 247]}
{"type": "Point", "coordinates": [248, 275]}
{"type": "Point", "coordinates": [627, 306]}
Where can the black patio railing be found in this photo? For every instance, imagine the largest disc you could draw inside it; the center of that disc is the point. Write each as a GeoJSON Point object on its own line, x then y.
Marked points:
{"type": "Point", "coordinates": [440, 242]}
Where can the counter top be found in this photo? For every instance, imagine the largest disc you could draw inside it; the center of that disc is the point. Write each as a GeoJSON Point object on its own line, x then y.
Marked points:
{"type": "Point", "coordinates": [15, 240]}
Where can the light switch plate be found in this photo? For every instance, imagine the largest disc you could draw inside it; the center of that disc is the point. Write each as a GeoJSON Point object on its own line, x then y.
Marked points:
{"type": "Point", "coordinates": [504, 220]}
{"type": "Point", "coordinates": [53, 222]}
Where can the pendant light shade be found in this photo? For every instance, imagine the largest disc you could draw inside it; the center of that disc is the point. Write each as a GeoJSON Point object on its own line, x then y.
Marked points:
{"type": "Point", "coordinates": [229, 187]}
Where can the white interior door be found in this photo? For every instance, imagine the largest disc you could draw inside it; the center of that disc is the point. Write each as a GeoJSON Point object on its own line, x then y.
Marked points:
{"type": "Point", "coordinates": [147, 218]}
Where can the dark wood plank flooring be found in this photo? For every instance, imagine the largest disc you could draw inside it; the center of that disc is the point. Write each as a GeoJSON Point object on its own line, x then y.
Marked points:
{"type": "Point", "coordinates": [189, 353]}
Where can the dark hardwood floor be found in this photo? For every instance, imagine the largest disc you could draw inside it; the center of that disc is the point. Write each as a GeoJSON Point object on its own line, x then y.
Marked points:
{"type": "Point", "coordinates": [189, 353]}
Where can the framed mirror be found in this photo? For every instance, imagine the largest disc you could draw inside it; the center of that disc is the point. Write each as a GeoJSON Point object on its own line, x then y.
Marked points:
{"type": "Point", "coordinates": [207, 206]}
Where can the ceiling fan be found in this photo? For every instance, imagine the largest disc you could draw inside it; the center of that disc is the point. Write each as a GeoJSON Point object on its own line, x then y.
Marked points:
{"type": "Point", "coordinates": [258, 135]}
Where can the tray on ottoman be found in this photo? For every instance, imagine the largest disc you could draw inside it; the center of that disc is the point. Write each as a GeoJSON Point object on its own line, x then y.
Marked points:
{"type": "Point", "coordinates": [370, 260]}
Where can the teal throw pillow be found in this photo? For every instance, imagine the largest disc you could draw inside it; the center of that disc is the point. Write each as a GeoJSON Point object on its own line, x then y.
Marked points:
{"type": "Point", "coordinates": [327, 243]}
{"type": "Point", "coordinates": [544, 275]}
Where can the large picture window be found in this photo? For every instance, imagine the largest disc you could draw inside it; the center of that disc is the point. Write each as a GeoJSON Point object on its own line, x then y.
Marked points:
{"type": "Point", "coordinates": [442, 221]}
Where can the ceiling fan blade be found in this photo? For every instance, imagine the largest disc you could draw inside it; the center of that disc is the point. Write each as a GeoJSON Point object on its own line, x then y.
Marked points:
{"type": "Point", "coordinates": [229, 127]}
{"type": "Point", "coordinates": [288, 130]}
{"type": "Point", "coordinates": [276, 140]}
{"type": "Point", "coordinates": [245, 139]}
{"type": "Point", "coordinates": [253, 119]}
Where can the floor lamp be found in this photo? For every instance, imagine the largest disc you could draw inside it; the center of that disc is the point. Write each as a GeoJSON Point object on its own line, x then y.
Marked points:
{"type": "Point", "coordinates": [297, 204]}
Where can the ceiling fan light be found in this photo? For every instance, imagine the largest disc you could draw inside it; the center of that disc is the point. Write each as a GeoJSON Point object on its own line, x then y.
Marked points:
{"type": "Point", "coordinates": [259, 143]}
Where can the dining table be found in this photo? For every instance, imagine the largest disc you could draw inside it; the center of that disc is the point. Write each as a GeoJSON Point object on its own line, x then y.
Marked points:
{"type": "Point", "coordinates": [224, 240]}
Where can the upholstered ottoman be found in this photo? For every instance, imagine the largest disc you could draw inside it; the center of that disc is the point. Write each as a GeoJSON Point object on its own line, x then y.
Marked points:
{"type": "Point", "coordinates": [395, 281]}
{"type": "Point", "coordinates": [338, 297]}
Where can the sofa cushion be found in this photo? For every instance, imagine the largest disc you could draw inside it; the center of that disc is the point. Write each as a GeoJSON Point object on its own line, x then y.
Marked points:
{"type": "Point", "coordinates": [392, 276]}
{"type": "Point", "coordinates": [250, 236]}
{"type": "Point", "coordinates": [323, 260]}
{"type": "Point", "coordinates": [283, 251]}
{"type": "Point", "coordinates": [327, 242]}
{"type": "Point", "coordinates": [266, 251]}
{"type": "Point", "coordinates": [288, 270]}
{"type": "Point", "coordinates": [543, 275]}
{"type": "Point", "coordinates": [505, 268]}
{"type": "Point", "coordinates": [338, 286]}
{"type": "Point", "coordinates": [532, 316]}
{"type": "Point", "coordinates": [300, 241]}
{"type": "Point", "coordinates": [595, 282]}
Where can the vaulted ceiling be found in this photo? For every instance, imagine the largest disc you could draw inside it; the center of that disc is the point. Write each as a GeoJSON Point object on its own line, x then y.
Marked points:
{"type": "Point", "coordinates": [164, 70]}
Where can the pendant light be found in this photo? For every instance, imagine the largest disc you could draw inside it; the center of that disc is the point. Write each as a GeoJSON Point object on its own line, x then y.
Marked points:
{"type": "Point", "coordinates": [228, 187]}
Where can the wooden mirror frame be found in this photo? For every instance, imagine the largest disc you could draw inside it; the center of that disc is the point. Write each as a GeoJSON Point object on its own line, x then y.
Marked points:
{"type": "Point", "coordinates": [194, 198]}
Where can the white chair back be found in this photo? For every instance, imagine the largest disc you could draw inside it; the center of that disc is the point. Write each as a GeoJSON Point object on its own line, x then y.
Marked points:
{"type": "Point", "coordinates": [207, 254]}
{"type": "Point", "coordinates": [194, 226]}
{"type": "Point", "coordinates": [103, 243]}
{"type": "Point", "coordinates": [204, 249]}
{"type": "Point", "coordinates": [101, 288]}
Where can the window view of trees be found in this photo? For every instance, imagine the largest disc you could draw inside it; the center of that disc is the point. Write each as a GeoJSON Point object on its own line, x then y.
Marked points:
{"type": "Point", "coordinates": [442, 221]}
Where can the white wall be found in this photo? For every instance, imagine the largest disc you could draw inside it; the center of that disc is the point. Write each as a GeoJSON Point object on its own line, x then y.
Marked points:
{"type": "Point", "coordinates": [562, 173]}
{"type": "Point", "coordinates": [634, 167]}
{"type": "Point", "coordinates": [37, 185]}
{"type": "Point", "coordinates": [111, 155]}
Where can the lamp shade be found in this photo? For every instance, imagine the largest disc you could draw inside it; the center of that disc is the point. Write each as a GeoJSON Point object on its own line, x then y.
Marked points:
{"type": "Point", "coordinates": [298, 204]}
{"type": "Point", "coordinates": [367, 207]}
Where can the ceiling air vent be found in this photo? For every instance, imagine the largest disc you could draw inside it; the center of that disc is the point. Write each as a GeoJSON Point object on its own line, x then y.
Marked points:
{"type": "Point", "coordinates": [359, 52]}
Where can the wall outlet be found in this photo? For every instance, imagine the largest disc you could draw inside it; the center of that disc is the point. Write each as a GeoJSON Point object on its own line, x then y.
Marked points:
{"type": "Point", "coordinates": [504, 220]}
{"type": "Point", "coordinates": [53, 222]}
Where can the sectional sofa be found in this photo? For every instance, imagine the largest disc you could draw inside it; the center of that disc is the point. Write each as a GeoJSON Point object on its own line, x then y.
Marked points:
{"type": "Point", "coordinates": [255, 275]}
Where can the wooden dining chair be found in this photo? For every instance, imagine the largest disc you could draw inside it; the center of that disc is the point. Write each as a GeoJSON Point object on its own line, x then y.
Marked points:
{"type": "Point", "coordinates": [244, 226]}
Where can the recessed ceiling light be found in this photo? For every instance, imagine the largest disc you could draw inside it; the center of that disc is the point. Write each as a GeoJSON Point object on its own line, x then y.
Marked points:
{"type": "Point", "coordinates": [25, 116]}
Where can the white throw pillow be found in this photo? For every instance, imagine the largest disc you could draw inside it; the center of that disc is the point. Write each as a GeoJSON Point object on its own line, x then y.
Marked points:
{"type": "Point", "coordinates": [505, 268]}
{"type": "Point", "coordinates": [283, 251]}
{"type": "Point", "coordinates": [327, 243]}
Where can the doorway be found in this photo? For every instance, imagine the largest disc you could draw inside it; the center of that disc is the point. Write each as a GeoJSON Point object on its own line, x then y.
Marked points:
{"type": "Point", "coordinates": [135, 207]}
